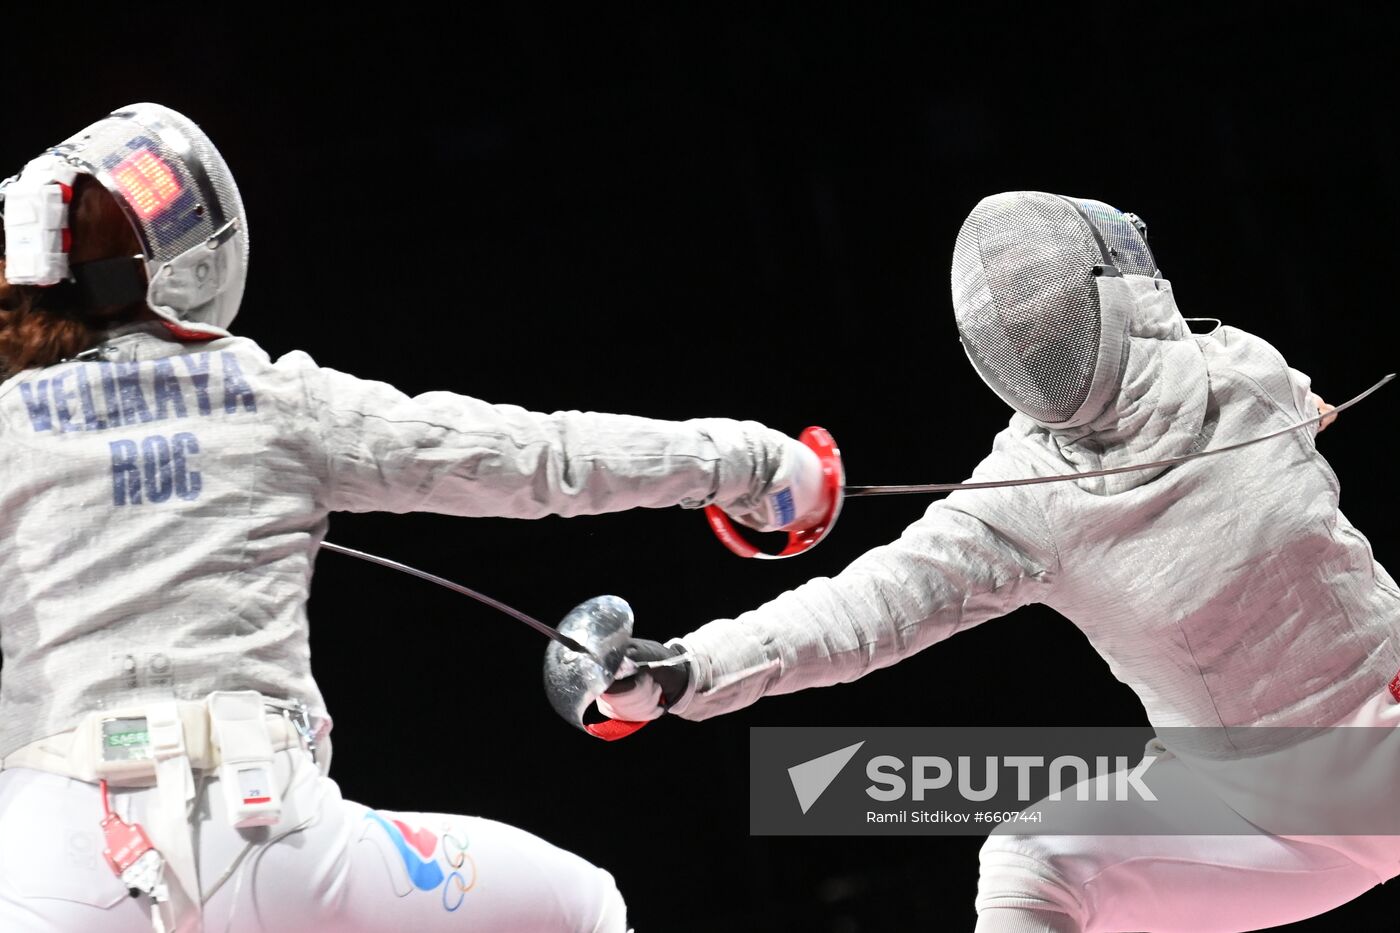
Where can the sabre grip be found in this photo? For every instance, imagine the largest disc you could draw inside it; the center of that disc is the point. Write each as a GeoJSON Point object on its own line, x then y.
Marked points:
{"type": "Point", "coordinates": [670, 680]}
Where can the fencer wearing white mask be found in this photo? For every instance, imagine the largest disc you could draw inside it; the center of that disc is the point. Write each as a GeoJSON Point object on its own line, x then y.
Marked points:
{"type": "Point", "coordinates": [1228, 591]}
{"type": "Point", "coordinates": [165, 488]}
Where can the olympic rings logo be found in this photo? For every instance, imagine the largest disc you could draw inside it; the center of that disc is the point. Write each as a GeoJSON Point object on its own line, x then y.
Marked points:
{"type": "Point", "coordinates": [458, 883]}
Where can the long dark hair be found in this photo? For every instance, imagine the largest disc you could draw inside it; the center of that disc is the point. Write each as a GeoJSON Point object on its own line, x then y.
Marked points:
{"type": "Point", "coordinates": [32, 335]}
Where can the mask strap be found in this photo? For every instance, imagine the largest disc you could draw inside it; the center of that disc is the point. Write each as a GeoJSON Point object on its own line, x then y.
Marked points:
{"type": "Point", "coordinates": [100, 284]}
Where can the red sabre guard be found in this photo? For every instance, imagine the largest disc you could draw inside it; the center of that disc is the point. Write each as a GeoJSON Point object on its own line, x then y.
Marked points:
{"type": "Point", "coordinates": [833, 481]}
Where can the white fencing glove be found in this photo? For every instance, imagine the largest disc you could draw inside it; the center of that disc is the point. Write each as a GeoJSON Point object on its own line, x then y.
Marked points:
{"type": "Point", "coordinates": [649, 692]}
{"type": "Point", "coordinates": [796, 498]}
{"type": "Point", "coordinates": [1323, 408]}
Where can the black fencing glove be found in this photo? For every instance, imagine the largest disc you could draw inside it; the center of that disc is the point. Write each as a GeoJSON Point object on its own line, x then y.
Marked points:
{"type": "Point", "coordinates": [647, 693]}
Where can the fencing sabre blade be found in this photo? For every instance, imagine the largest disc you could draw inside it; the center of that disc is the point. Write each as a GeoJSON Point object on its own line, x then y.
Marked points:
{"type": "Point", "coordinates": [852, 491]}
{"type": "Point", "coordinates": [514, 613]}
{"type": "Point", "coordinates": [822, 443]}
{"type": "Point", "coordinates": [587, 652]}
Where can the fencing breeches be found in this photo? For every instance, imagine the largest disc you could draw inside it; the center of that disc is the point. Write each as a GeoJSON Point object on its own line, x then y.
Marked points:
{"type": "Point", "coordinates": [1242, 879]}
{"type": "Point", "coordinates": [329, 864]}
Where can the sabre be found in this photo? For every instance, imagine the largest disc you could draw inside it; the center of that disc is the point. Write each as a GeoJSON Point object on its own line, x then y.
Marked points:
{"type": "Point", "coordinates": [536, 624]}
{"type": "Point", "coordinates": [854, 491]}
{"type": "Point", "coordinates": [576, 670]}
{"type": "Point", "coordinates": [825, 447]}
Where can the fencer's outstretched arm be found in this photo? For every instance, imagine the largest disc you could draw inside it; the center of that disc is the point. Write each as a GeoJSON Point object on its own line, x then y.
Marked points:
{"type": "Point", "coordinates": [972, 557]}
{"type": "Point", "coordinates": [448, 453]}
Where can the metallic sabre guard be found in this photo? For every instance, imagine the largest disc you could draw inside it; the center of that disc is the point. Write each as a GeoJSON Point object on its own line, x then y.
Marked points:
{"type": "Point", "coordinates": [573, 681]}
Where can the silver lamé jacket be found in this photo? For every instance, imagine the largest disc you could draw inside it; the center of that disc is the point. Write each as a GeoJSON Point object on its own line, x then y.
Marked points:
{"type": "Point", "coordinates": [161, 505]}
{"type": "Point", "coordinates": [1229, 591]}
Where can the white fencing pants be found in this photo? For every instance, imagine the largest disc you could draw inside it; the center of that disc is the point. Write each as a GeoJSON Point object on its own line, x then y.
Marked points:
{"type": "Point", "coordinates": [1196, 883]}
{"type": "Point", "coordinates": [329, 864]}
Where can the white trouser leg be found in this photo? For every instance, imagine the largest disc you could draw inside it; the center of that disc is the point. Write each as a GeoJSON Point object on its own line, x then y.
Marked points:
{"type": "Point", "coordinates": [52, 874]}
{"type": "Point", "coordinates": [330, 864]}
{"type": "Point", "coordinates": [1011, 920]}
{"type": "Point", "coordinates": [1242, 879]}
{"type": "Point", "coordinates": [1167, 882]}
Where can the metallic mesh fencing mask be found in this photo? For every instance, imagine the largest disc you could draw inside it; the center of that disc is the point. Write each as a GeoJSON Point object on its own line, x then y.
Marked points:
{"type": "Point", "coordinates": [180, 197]}
{"type": "Point", "coordinates": [1041, 307]}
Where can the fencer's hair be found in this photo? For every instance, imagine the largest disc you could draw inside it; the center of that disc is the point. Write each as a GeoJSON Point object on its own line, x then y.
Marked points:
{"type": "Point", "coordinates": [33, 335]}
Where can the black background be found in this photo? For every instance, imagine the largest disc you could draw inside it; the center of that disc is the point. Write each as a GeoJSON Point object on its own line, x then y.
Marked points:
{"type": "Point", "coordinates": [682, 212]}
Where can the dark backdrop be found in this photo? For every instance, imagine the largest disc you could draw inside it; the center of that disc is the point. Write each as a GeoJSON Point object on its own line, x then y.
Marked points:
{"type": "Point", "coordinates": [679, 213]}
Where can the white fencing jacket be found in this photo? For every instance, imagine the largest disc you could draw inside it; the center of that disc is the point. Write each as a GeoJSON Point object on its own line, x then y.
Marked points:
{"type": "Point", "coordinates": [161, 507]}
{"type": "Point", "coordinates": [1229, 591]}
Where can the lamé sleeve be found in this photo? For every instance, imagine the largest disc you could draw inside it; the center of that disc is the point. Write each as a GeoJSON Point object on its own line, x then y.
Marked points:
{"type": "Point", "coordinates": [442, 452]}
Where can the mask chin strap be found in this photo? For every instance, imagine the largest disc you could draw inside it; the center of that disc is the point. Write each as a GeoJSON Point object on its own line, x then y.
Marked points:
{"type": "Point", "coordinates": [100, 284]}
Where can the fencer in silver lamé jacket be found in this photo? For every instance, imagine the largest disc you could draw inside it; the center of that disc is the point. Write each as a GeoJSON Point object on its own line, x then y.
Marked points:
{"type": "Point", "coordinates": [1229, 591]}
{"type": "Point", "coordinates": [161, 505]}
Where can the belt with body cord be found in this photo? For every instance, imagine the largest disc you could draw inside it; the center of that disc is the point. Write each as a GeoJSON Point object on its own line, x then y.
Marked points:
{"type": "Point", "coordinates": [162, 744]}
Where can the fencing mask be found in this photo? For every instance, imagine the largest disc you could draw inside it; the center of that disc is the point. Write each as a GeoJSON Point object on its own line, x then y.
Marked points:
{"type": "Point", "coordinates": [1041, 305]}
{"type": "Point", "coordinates": [178, 194]}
